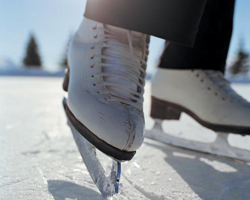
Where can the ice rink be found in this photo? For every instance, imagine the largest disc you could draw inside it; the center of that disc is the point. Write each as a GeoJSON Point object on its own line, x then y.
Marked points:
{"type": "Point", "coordinates": [39, 159]}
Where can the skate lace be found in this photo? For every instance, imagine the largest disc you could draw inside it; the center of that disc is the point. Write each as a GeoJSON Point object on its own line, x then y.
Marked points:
{"type": "Point", "coordinates": [123, 62]}
{"type": "Point", "coordinates": [225, 86]}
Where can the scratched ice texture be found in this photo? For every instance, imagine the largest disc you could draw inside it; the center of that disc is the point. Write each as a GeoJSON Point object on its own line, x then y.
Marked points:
{"type": "Point", "coordinates": [39, 159]}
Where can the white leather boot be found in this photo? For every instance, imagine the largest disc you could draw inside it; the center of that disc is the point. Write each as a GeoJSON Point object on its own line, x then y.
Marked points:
{"type": "Point", "coordinates": [106, 85]}
{"type": "Point", "coordinates": [205, 95]}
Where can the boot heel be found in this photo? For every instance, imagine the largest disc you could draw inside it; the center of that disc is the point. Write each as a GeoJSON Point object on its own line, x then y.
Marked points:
{"type": "Point", "coordinates": [66, 80]}
{"type": "Point", "coordinates": [164, 110]}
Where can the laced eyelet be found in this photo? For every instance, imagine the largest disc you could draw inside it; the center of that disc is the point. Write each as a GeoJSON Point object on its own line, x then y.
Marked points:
{"type": "Point", "coordinates": [93, 47]}
{"type": "Point", "coordinates": [94, 28]}
{"type": "Point", "coordinates": [98, 92]}
{"type": "Point", "coordinates": [197, 75]}
{"type": "Point", "coordinates": [209, 88]}
{"type": "Point", "coordinates": [92, 66]}
{"type": "Point", "coordinates": [202, 80]}
{"type": "Point", "coordinates": [92, 57]}
{"type": "Point", "coordinates": [216, 94]}
{"type": "Point", "coordinates": [92, 76]}
{"type": "Point", "coordinates": [95, 36]}
{"type": "Point", "coordinates": [94, 84]}
{"type": "Point", "coordinates": [223, 98]}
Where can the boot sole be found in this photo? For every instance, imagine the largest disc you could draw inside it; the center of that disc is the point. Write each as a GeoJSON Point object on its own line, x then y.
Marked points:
{"type": "Point", "coordinates": [165, 110]}
{"type": "Point", "coordinates": [101, 145]}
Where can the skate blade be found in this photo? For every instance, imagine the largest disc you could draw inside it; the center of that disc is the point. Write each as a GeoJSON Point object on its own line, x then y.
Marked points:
{"type": "Point", "coordinates": [220, 147]}
{"type": "Point", "coordinates": [108, 185]}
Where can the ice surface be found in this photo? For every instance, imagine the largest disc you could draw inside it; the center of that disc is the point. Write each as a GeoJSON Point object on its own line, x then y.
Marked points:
{"type": "Point", "coordinates": [39, 159]}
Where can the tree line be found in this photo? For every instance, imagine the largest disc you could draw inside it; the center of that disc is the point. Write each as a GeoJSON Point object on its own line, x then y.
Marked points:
{"type": "Point", "coordinates": [240, 65]}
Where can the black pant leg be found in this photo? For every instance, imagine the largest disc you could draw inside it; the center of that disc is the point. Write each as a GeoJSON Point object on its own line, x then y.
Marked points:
{"type": "Point", "coordinates": [212, 42]}
{"type": "Point", "coordinates": [173, 20]}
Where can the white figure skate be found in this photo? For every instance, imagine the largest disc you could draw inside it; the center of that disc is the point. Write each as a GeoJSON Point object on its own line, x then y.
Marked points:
{"type": "Point", "coordinates": [105, 84]}
{"type": "Point", "coordinates": [209, 99]}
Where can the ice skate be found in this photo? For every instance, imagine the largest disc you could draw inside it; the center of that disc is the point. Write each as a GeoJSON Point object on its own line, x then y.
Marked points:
{"type": "Point", "coordinates": [105, 85]}
{"type": "Point", "coordinates": [206, 97]}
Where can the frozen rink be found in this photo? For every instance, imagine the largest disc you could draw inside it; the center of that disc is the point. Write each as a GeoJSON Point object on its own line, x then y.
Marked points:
{"type": "Point", "coordinates": [39, 159]}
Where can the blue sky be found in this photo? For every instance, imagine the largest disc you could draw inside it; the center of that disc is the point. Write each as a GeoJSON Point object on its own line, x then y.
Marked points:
{"type": "Point", "coordinates": [52, 21]}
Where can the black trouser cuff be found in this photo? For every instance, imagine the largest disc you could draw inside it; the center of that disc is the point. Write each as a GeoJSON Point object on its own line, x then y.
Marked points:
{"type": "Point", "coordinates": [173, 20]}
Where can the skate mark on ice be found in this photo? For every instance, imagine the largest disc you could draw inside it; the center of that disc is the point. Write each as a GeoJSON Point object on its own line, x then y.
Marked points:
{"type": "Point", "coordinates": [102, 116]}
{"type": "Point", "coordinates": [149, 195]}
{"type": "Point", "coordinates": [101, 113]}
{"type": "Point", "coordinates": [53, 151]}
{"type": "Point", "coordinates": [27, 153]}
{"type": "Point", "coordinates": [12, 183]}
{"type": "Point", "coordinates": [42, 175]}
{"type": "Point", "coordinates": [47, 137]}
{"type": "Point", "coordinates": [44, 140]}
{"type": "Point", "coordinates": [128, 192]}
{"type": "Point", "coordinates": [61, 190]}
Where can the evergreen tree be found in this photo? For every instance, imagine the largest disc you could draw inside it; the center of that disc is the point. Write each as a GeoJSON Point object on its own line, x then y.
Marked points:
{"type": "Point", "coordinates": [241, 64]}
{"type": "Point", "coordinates": [32, 57]}
{"type": "Point", "coordinates": [64, 62]}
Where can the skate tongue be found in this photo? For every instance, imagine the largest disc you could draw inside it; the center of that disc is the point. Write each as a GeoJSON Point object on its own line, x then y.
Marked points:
{"type": "Point", "coordinates": [120, 57]}
{"type": "Point", "coordinates": [122, 31]}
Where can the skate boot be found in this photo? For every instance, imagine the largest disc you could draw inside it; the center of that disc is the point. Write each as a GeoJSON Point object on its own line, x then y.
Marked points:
{"type": "Point", "coordinates": [207, 97]}
{"type": "Point", "coordinates": [105, 84]}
